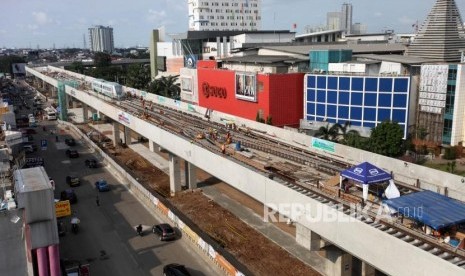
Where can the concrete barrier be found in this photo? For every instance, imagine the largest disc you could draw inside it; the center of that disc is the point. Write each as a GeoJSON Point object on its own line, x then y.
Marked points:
{"type": "Point", "coordinates": [190, 232]}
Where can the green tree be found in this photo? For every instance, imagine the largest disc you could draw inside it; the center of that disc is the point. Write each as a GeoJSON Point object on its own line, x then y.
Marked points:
{"type": "Point", "coordinates": [387, 139]}
{"type": "Point", "coordinates": [7, 61]}
{"type": "Point", "coordinates": [328, 133]}
{"type": "Point", "coordinates": [77, 67]}
{"type": "Point", "coordinates": [102, 59]}
{"type": "Point", "coordinates": [269, 120]}
{"type": "Point", "coordinates": [138, 76]}
{"type": "Point", "coordinates": [343, 132]}
{"type": "Point", "coordinates": [167, 87]}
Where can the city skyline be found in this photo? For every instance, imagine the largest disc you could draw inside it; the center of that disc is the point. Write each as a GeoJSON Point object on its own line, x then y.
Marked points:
{"type": "Point", "coordinates": [28, 24]}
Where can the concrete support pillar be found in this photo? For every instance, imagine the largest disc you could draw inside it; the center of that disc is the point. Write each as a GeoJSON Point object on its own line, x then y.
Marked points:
{"type": "Point", "coordinates": [85, 112]}
{"type": "Point", "coordinates": [367, 270]}
{"type": "Point", "coordinates": [127, 135]}
{"type": "Point", "coordinates": [54, 260]}
{"type": "Point", "coordinates": [154, 147]}
{"type": "Point", "coordinates": [191, 174]}
{"type": "Point", "coordinates": [341, 262]}
{"type": "Point", "coordinates": [42, 261]}
{"type": "Point", "coordinates": [116, 136]}
{"type": "Point", "coordinates": [75, 103]}
{"type": "Point", "coordinates": [67, 98]}
{"type": "Point", "coordinates": [175, 177]}
{"type": "Point", "coordinates": [308, 239]}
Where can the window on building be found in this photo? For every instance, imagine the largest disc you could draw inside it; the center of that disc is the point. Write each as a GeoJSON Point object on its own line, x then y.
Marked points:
{"type": "Point", "coordinates": [452, 74]}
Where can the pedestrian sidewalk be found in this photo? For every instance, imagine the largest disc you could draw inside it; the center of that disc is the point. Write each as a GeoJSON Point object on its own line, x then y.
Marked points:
{"type": "Point", "coordinates": [272, 232]}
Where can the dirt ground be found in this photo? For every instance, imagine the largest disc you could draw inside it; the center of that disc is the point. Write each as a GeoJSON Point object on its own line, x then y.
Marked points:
{"type": "Point", "coordinates": [260, 255]}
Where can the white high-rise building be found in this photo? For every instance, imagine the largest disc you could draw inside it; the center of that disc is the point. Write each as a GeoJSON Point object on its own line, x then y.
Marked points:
{"type": "Point", "coordinates": [347, 17]}
{"type": "Point", "coordinates": [333, 20]}
{"type": "Point", "coordinates": [225, 15]}
{"type": "Point", "coordinates": [101, 39]}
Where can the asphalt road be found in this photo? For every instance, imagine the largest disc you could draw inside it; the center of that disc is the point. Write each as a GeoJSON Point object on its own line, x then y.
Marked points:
{"type": "Point", "coordinates": [107, 239]}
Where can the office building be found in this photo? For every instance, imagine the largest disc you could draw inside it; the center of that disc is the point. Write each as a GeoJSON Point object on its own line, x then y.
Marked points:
{"type": "Point", "coordinates": [224, 15]}
{"type": "Point", "coordinates": [442, 35]}
{"type": "Point", "coordinates": [359, 29]}
{"type": "Point", "coordinates": [101, 39]}
{"type": "Point", "coordinates": [347, 17]}
{"type": "Point", "coordinates": [364, 101]}
{"type": "Point", "coordinates": [334, 20]}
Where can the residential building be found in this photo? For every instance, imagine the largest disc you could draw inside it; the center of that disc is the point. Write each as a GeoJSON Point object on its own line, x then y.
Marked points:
{"type": "Point", "coordinates": [224, 15]}
{"type": "Point", "coordinates": [101, 39]}
{"type": "Point", "coordinates": [346, 17]}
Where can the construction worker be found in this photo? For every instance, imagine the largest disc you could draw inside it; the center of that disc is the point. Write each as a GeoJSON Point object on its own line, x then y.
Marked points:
{"type": "Point", "coordinates": [223, 149]}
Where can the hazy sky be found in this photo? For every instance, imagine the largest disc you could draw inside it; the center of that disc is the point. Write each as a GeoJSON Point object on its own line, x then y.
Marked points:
{"type": "Point", "coordinates": [43, 23]}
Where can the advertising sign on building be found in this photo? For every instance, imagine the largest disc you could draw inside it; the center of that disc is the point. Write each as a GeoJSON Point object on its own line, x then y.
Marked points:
{"type": "Point", "coordinates": [246, 86]}
{"type": "Point", "coordinates": [323, 145]}
{"type": "Point", "coordinates": [186, 85]}
{"type": "Point", "coordinates": [123, 117]}
{"type": "Point", "coordinates": [19, 68]}
{"type": "Point", "coordinates": [433, 88]}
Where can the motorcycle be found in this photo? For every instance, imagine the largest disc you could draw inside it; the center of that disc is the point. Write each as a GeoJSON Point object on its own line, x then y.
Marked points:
{"type": "Point", "coordinates": [75, 225]}
{"type": "Point", "coordinates": [75, 228]}
{"type": "Point", "coordinates": [139, 230]}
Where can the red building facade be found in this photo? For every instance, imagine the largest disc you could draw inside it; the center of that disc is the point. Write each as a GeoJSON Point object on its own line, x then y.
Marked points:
{"type": "Point", "coordinates": [242, 94]}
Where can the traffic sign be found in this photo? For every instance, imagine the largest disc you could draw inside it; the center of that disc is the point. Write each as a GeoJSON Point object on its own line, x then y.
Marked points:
{"type": "Point", "coordinates": [43, 144]}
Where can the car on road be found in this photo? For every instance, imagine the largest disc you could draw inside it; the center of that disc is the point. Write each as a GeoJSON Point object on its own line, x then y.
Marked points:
{"type": "Point", "coordinates": [68, 194]}
{"type": "Point", "coordinates": [102, 185]}
{"type": "Point", "coordinates": [175, 270]}
{"type": "Point", "coordinates": [72, 153]}
{"type": "Point", "coordinates": [30, 148]}
{"type": "Point", "coordinates": [28, 131]}
{"type": "Point", "coordinates": [73, 180]}
{"type": "Point", "coordinates": [70, 142]}
{"type": "Point", "coordinates": [164, 231]}
{"type": "Point", "coordinates": [91, 163]}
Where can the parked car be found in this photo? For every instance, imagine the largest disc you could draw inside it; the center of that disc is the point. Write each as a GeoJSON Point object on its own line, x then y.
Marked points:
{"type": "Point", "coordinates": [72, 153]}
{"type": "Point", "coordinates": [28, 131]}
{"type": "Point", "coordinates": [175, 270]}
{"type": "Point", "coordinates": [102, 185]}
{"type": "Point", "coordinates": [73, 180]}
{"type": "Point", "coordinates": [91, 163]}
{"type": "Point", "coordinates": [70, 142]}
{"type": "Point", "coordinates": [164, 231]}
{"type": "Point", "coordinates": [30, 148]}
{"type": "Point", "coordinates": [68, 194]}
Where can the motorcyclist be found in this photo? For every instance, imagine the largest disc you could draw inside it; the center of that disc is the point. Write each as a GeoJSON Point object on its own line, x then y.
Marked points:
{"type": "Point", "coordinates": [139, 229]}
{"type": "Point", "coordinates": [74, 227]}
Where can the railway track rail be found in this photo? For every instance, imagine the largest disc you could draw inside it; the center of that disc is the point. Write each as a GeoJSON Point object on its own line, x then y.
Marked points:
{"type": "Point", "coordinates": [186, 125]}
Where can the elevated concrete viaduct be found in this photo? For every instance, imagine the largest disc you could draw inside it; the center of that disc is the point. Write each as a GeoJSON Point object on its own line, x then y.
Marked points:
{"type": "Point", "coordinates": [378, 249]}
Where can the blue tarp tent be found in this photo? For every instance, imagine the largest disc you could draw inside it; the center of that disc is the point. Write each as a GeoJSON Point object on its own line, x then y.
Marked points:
{"type": "Point", "coordinates": [366, 174]}
{"type": "Point", "coordinates": [432, 209]}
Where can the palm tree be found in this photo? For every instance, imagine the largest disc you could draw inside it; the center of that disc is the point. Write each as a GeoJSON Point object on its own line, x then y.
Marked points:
{"type": "Point", "coordinates": [343, 132]}
{"type": "Point", "coordinates": [327, 133]}
{"type": "Point", "coordinates": [166, 87]}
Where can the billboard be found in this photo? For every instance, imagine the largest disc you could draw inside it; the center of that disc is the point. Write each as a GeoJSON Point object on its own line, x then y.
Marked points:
{"type": "Point", "coordinates": [186, 84]}
{"type": "Point", "coordinates": [246, 86]}
{"type": "Point", "coordinates": [19, 68]}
